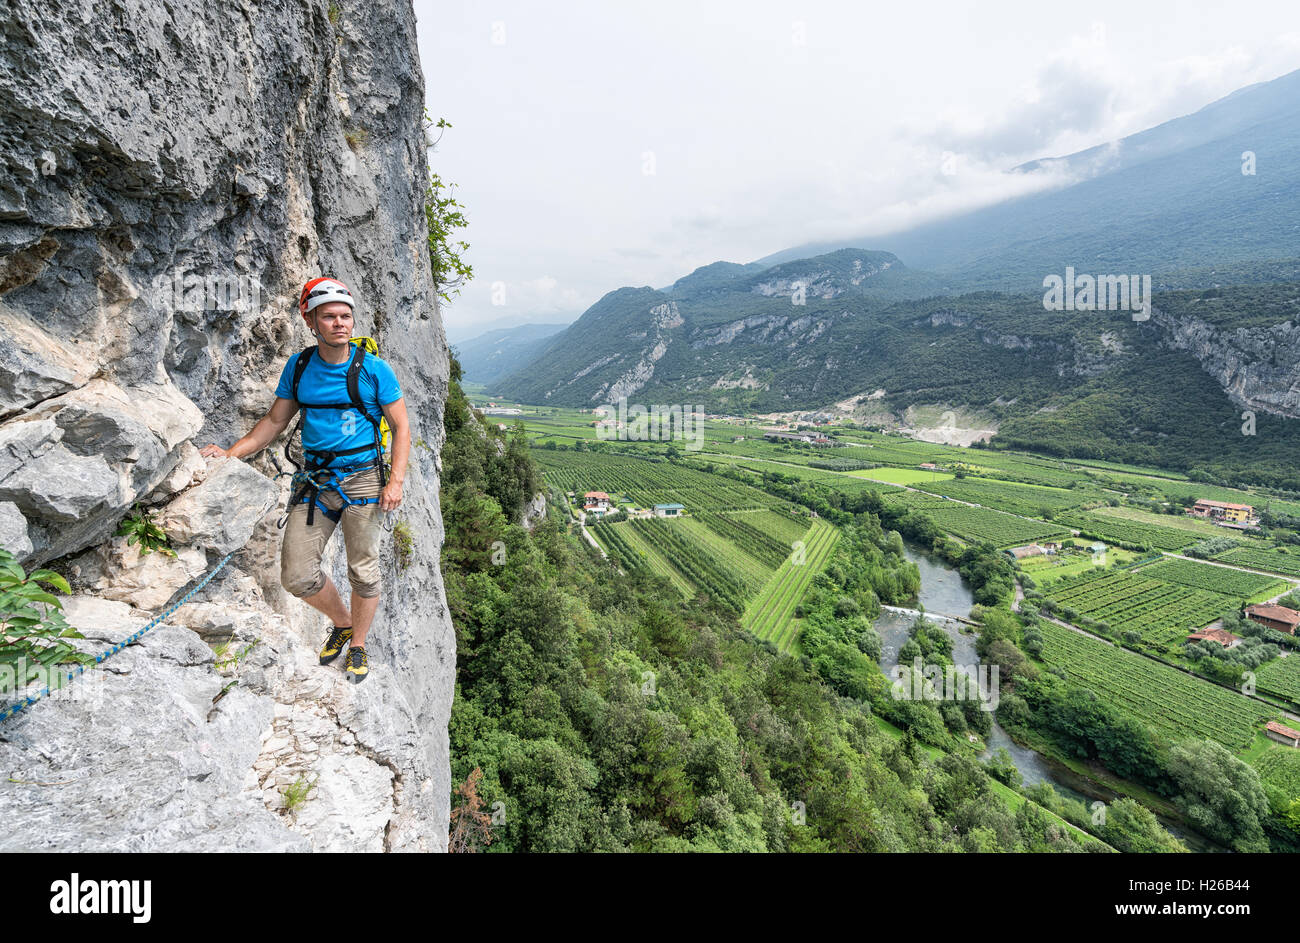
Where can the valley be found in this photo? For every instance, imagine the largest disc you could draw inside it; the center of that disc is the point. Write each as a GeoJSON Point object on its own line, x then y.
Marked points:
{"type": "Point", "coordinates": [1111, 572]}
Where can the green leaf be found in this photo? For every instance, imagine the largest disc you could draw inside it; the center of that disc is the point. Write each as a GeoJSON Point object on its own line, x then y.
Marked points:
{"type": "Point", "coordinates": [54, 579]}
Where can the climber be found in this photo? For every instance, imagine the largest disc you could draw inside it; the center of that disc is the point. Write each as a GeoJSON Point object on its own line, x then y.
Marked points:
{"type": "Point", "coordinates": [350, 400]}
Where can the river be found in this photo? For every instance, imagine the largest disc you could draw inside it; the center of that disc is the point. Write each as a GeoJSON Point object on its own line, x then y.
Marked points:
{"type": "Point", "coordinates": [944, 591]}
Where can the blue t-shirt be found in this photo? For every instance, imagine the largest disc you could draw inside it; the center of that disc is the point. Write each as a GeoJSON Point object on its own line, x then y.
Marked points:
{"type": "Point", "coordinates": [338, 429]}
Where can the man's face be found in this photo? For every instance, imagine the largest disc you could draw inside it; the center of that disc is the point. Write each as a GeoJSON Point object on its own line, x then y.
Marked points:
{"type": "Point", "coordinates": [333, 322]}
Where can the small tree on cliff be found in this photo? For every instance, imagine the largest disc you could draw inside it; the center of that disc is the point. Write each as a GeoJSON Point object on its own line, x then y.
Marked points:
{"type": "Point", "coordinates": [471, 827]}
{"type": "Point", "coordinates": [444, 216]}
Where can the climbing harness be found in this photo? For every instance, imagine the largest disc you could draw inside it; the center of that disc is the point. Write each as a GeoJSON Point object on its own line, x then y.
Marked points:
{"type": "Point", "coordinates": [316, 472]}
{"type": "Point", "coordinates": [109, 653]}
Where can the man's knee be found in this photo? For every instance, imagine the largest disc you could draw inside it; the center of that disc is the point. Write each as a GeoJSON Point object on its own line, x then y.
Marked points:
{"type": "Point", "coordinates": [303, 585]}
{"type": "Point", "coordinates": [365, 581]}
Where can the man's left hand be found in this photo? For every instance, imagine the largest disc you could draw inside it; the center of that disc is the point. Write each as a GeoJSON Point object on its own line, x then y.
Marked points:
{"type": "Point", "coordinates": [391, 497]}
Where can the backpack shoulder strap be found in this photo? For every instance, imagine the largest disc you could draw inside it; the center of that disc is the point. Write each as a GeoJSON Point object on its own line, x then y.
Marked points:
{"type": "Point", "coordinates": [299, 368]}
{"type": "Point", "coordinates": [354, 380]}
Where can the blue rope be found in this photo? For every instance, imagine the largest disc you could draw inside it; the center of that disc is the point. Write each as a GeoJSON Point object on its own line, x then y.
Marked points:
{"type": "Point", "coordinates": [109, 653]}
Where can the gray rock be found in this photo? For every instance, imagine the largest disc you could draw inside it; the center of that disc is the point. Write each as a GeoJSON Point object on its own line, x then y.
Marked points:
{"type": "Point", "coordinates": [162, 200]}
{"type": "Point", "coordinates": [219, 514]}
{"type": "Point", "coordinates": [13, 531]}
{"type": "Point", "coordinates": [33, 365]}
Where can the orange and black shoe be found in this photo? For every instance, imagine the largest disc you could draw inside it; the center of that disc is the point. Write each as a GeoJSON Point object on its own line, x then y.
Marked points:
{"type": "Point", "coordinates": [335, 644]}
{"type": "Point", "coordinates": [357, 665]}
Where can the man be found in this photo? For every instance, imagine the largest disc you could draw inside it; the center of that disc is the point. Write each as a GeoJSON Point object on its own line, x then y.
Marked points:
{"type": "Point", "coordinates": [345, 480]}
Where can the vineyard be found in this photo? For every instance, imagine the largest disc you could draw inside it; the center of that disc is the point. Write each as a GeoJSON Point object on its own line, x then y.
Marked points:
{"type": "Point", "coordinates": [1127, 533]}
{"type": "Point", "coordinates": [1030, 500]}
{"type": "Point", "coordinates": [648, 481]}
{"type": "Point", "coordinates": [1163, 612]}
{"type": "Point", "coordinates": [1215, 579]}
{"type": "Point", "coordinates": [694, 562]}
{"type": "Point", "coordinates": [633, 554]}
{"type": "Point", "coordinates": [771, 615]}
{"type": "Point", "coordinates": [767, 540]}
{"type": "Point", "coordinates": [1281, 676]}
{"type": "Point", "coordinates": [978, 525]}
{"type": "Point", "coordinates": [1275, 561]}
{"type": "Point", "coordinates": [1176, 705]}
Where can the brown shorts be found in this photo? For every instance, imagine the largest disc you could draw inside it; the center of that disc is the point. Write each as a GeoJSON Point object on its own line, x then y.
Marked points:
{"type": "Point", "coordinates": [303, 547]}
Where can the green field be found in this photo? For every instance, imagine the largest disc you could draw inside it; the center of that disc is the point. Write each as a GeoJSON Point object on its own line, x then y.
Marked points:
{"type": "Point", "coordinates": [770, 615]}
{"type": "Point", "coordinates": [634, 552]}
{"type": "Point", "coordinates": [978, 525]}
{"type": "Point", "coordinates": [1126, 532]}
{"type": "Point", "coordinates": [1176, 521]}
{"type": "Point", "coordinates": [1050, 569]}
{"type": "Point", "coordinates": [1248, 587]}
{"type": "Point", "coordinates": [903, 476]}
{"type": "Point", "coordinates": [1275, 560]}
{"type": "Point", "coordinates": [1176, 705]}
{"type": "Point", "coordinates": [1279, 767]}
{"type": "Point", "coordinates": [1029, 500]}
{"type": "Point", "coordinates": [1281, 676]}
{"type": "Point", "coordinates": [1163, 612]}
{"type": "Point", "coordinates": [648, 480]}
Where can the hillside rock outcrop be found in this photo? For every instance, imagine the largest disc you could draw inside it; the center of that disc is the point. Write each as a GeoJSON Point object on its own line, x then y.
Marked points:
{"type": "Point", "coordinates": [170, 176]}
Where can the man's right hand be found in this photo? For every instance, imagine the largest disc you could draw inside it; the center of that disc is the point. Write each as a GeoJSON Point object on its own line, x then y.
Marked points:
{"type": "Point", "coordinates": [214, 451]}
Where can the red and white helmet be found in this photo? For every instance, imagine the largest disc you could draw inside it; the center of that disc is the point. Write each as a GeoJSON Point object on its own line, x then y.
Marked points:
{"type": "Point", "coordinates": [321, 291]}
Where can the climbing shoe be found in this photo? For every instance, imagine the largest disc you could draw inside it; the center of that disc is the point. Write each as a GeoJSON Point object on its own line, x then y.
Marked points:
{"type": "Point", "coordinates": [357, 664]}
{"type": "Point", "coordinates": [338, 639]}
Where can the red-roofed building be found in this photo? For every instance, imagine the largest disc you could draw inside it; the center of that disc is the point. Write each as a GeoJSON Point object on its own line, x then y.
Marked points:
{"type": "Point", "coordinates": [595, 500]}
{"type": "Point", "coordinates": [1282, 734]}
{"type": "Point", "coordinates": [1275, 617]}
{"type": "Point", "coordinates": [1222, 636]}
{"type": "Point", "coordinates": [1222, 511]}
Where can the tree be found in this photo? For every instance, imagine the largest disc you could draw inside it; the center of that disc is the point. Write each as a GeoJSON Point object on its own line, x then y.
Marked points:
{"type": "Point", "coordinates": [471, 827]}
{"type": "Point", "coordinates": [1220, 795]}
{"type": "Point", "coordinates": [444, 216]}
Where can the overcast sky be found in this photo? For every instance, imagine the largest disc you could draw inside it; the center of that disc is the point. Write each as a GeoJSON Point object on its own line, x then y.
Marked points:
{"type": "Point", "coordinates": [597, 145]}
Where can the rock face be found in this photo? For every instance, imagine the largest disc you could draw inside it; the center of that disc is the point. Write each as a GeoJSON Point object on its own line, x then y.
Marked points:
{"type": "Point", "coordinates": [171, 175]}
{"type": "Point", "coordinates": [1258, 367]}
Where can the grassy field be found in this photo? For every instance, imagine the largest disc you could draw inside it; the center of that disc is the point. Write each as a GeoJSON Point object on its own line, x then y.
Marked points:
{"type": "Point", "coordinates": [903, 476]}
{"type": "Point", "coordinates": [1176, 521]}
{"type": "Point", "coordinates": [1174, 704]}
{"type": "Point", "coordinates": [1047, 570]}
{"type": "Point", "coordinates": [770, 615]}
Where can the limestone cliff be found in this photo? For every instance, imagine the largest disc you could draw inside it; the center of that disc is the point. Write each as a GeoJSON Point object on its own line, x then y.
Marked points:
{"type": "Point", "coordinates": [171, 175]}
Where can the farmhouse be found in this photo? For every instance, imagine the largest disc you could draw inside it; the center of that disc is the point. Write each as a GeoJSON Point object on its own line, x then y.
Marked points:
{"type": "Point", "coordinates": [788, 436]}
{"type": "Point", "coordinates": [1031, 550]}
{"type": "Point", "coordinates": [668, 510]}
{"type": "Point", "coordinates": [595, 501]}
{"type": "Point", "coordinates": [1222, 511]}
{"type": "Point", "coordinates": [1222, 636]}
{"type": "Point", "coordinates": [1275, 617]}
{"type": "Point", "coordinates": [1282, 734]}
